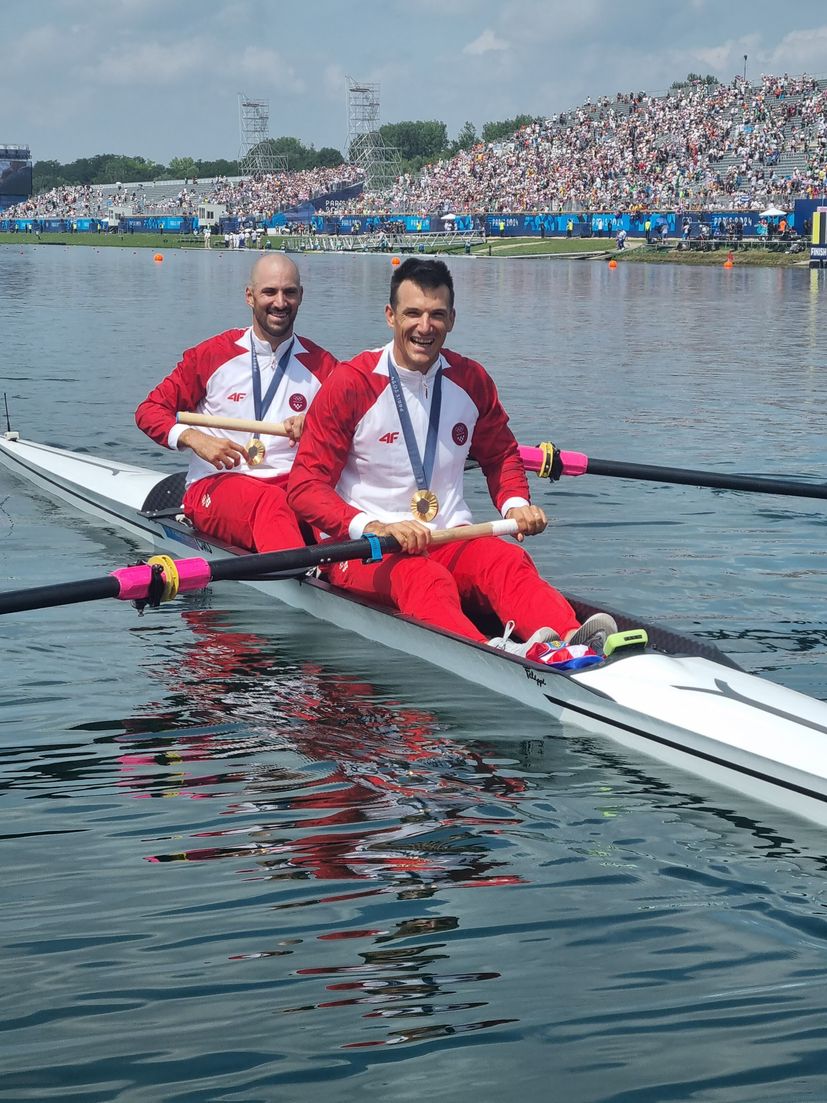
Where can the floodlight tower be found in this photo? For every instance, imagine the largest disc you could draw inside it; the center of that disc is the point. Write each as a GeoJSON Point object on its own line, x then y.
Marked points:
{"type": "Point", "coordinates": [255, 155]}
{"type": "Point", "coordinates": [380, 163]}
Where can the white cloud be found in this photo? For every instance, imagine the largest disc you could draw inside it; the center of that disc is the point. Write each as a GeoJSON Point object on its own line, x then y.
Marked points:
{"type": "Point", "coordinates": [445, 8]}
{"type": "Point", "coordinates": [334, 80]}
{"type": "Point", "coordinates": [150, 63]}
{"type": "Point", "coordinates": [718, 59]}
{"type": "Point", "coordinates": [167, 72]}
{"type": "Point", "coordinates": [35, 50]}
{"type": "Point", "coordinates": [485, 44]}
{"type": "Point", "coordinates": [269, 69]}
{"type": "Point", "coordinates": [800, 51]}
{"type": "Point", "coordinates": [554, 20]}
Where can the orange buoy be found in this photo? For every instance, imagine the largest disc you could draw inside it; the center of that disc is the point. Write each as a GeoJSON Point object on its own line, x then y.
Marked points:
{"type": "Point", "coordinates": [395, 261]}
{"type": "Point", "coordinates": [728, 264]}
{"type": "Point", "coordinates": [159, 257]}
{"type": "Point", "coordinates": [613, 263]}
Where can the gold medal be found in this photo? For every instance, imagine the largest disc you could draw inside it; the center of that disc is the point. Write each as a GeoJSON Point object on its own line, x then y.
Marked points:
{"type": "Point", "coordinates": [255, 451]}
{"type": "Point", "coordinates": [424, 505]}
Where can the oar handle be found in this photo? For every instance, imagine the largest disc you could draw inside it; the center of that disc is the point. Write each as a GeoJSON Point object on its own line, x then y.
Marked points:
{"type": "Point", "coordinates": [244, 425]}
{"type": "Point", "coordinates": [471, 532]}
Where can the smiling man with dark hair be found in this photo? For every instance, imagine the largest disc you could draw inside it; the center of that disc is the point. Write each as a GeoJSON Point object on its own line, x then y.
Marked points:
{"type": "Point", "coordinates": [384, 451]}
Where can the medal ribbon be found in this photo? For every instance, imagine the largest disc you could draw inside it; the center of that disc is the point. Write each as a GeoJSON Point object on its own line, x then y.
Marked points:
{"type": "Point", "coordinates": [260, 405]}
{"type": "Point", "coordinates": [422, 469]}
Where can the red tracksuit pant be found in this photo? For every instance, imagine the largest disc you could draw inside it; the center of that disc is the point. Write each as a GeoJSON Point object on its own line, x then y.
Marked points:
{"type": "Point", "coordinates": [489, 575]}
{"type": "Point", "coordinates": [245, 511]}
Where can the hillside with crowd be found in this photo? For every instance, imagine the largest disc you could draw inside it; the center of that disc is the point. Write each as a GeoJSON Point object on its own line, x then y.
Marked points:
{"type": "Point", "coordinates": [701, 145]}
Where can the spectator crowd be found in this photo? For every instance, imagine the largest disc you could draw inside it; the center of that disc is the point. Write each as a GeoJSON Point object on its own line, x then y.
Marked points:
{"type": "Point", "coordinates": [257, 197]}
{"type": "Point", "coordinates": [701, 145]}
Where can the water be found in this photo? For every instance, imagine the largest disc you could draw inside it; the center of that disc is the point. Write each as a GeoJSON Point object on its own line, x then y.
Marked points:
{"type": "Point", "coordinates": [248, 857]}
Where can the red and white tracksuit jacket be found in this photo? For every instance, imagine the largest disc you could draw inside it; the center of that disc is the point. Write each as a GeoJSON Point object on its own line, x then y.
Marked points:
{"type": "Point", "coordinates": [216, 378]}
{"type": "Point", "coordinates": [352, 467]}
{"type": "Point", "coordinates": [250, 508]}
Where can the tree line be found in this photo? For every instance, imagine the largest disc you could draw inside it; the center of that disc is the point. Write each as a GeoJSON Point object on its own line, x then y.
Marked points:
{"type": "Point", "coordinates": [418, 142]}
{"type": "Point", "coordinates": [421, 142]}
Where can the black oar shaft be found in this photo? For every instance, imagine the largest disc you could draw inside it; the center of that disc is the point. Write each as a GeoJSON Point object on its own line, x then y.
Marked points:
{"type": "Point", "coordinates": [720, 480]}
{"type": "Point", "coordinates": [235, 567]}
{"type": "Point", "coordinates": [64, 593]}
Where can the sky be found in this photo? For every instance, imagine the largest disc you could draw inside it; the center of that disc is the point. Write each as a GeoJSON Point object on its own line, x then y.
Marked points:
{"type": "Point", "coordinates": [162, 78]}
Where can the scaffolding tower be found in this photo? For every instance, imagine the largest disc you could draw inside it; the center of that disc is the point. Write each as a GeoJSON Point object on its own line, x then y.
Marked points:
{"type": "Point", "coordinates": [380, 163]}
{"type": "Point", "coordinates": [255, 154]}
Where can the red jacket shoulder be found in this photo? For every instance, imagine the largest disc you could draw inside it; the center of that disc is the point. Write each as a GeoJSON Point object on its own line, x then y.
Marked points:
{"type": "Point", "coordinates": [473, 378]}
{"type": "Point", "coordinates": [222, 344]}
{"type": "Point", "coordinates": [316, 359]}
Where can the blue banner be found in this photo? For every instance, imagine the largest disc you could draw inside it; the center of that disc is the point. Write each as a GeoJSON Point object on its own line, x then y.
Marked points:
{"type": "Point", "coordinates": [153, 224]}
{"type": "Point", "coordinates": [582, 225]}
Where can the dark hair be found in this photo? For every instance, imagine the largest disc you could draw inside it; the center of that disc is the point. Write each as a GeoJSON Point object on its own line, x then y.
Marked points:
{"type": "Point", "coordinates": [426, 273]}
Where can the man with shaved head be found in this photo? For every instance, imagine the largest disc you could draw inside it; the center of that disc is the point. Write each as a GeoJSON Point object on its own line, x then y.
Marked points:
{"type": "Point", "coordinates": [235, 487]}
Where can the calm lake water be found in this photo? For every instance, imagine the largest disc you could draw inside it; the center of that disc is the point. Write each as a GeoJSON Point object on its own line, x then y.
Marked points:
{"type": "Point", "coordinates": [249, 857]}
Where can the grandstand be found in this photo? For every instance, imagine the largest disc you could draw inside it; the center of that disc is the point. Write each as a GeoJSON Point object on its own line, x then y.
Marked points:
{"type": "Point", "coordinates": [697, 145]}
{"type": "Point", "coordinates": [259, 197]}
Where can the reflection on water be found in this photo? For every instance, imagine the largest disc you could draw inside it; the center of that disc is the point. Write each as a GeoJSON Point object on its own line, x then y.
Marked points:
{"type": "Point", "coordinates": [370, 800]}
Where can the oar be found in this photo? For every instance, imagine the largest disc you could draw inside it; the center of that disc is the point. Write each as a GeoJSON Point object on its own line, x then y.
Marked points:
{"type": "Point", "coordinates": [162, 578]}
{"type": "Point", "coordinates": [245, 425]}
{"type": "Point", "coordinates": [560, 463]}
{"type": "Point", "coordinates": [553, 462]}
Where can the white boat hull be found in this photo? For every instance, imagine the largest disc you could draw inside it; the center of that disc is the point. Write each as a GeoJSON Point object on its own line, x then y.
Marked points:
{"type": "Point", "coordinates": [687, 710]}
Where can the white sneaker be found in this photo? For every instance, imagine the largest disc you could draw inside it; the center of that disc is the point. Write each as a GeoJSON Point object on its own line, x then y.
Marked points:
{"type": "Point", "coordinates": [543, 635]}
{"type": "Point", "coordinates": [595, 631]}
{"type": "Point", "coordinates": [505, 643]}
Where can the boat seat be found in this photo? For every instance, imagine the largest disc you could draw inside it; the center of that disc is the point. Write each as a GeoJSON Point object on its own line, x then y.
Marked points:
{"type": "Point", "coordinates": [165, 498]}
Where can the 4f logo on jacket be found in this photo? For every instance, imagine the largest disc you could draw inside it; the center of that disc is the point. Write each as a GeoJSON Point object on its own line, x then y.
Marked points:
{"type": "Point", "coordinates": [236, 396]}
{"type": "Point", "coordinates": [388, 438]}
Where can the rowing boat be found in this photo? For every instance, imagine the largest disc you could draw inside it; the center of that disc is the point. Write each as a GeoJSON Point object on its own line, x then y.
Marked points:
{"type": "Point", "coordinates": [676, 699]}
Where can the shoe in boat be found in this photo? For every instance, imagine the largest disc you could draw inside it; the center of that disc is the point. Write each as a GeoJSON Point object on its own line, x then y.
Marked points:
{"type": "Point", "coordinates": [505, 643]}
{"type": "Point", "coordinates": [594, 632]}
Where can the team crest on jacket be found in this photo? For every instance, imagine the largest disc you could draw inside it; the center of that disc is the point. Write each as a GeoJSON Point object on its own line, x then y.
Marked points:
{"type": "Point", "coordinates": [297, 402]}
{"type": "Point", "coordinates": [206, 501]}
{"type": "Point", "coordinates": [460, 433]}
